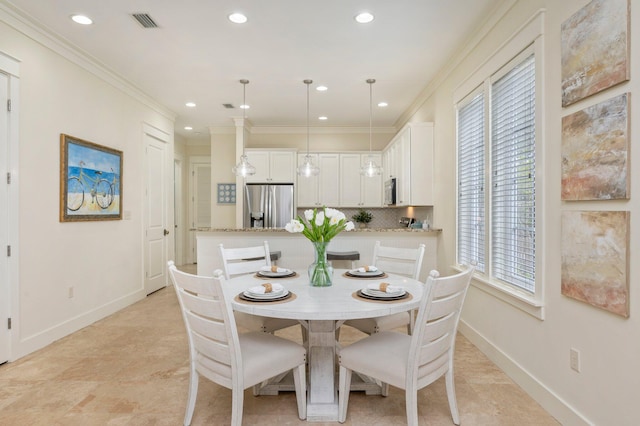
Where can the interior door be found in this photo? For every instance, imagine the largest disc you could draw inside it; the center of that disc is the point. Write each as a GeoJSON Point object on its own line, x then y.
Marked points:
{"type": "Point", "coordinates": [200, 206]}
{"type": "Point", "coordinates": [5, 335]}
{"type": "Point", "coordinates": [156, 224]}
{"type": "Point", "coordinates": [178, 217]}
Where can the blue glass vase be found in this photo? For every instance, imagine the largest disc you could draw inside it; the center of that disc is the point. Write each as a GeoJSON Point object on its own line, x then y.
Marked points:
{"type": "Point", "coordinates": [320, 271]}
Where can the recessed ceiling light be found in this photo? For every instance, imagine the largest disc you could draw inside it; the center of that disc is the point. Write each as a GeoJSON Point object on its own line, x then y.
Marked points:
{"type": "Point", "coordinates": [245, 106]}
{"type": "Point", "coordinates": [188, 128]}
{"type": "Point", "coordinates": [382, 104]}
{"type": "Point", "coordinates": [237, 18]}
{"type": "Point", "coordinates": [322, 88]}
{"type": "Point", "coordinates": [81, 19]}
{"type": "Point", "coordinates": [322, 117]}
{"type": "Point", "coordinates": [191, 104]}
{"type": "Point", "coordinates": [363, 18]}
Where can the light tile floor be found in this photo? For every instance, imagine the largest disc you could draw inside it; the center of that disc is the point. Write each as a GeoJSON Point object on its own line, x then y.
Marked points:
{"type": "Point", "coordinates": [132, 369]}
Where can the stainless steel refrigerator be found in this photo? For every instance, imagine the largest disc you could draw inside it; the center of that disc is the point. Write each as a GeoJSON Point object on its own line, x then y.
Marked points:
{"type": "Point", "coordinates": [268, 205]}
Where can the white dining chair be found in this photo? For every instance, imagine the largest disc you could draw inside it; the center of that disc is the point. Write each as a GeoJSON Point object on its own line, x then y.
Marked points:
{"type": "Point", "coordinates": [411, 362]}
{"type": "Point", "coordinates": [402, 261]}
{"type": "Point", "coordinates": [248, 260]}
{"type": "Point", "coordinates": [219, 353]}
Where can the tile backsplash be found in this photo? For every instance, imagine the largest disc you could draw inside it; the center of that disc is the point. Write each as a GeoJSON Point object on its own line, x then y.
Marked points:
{"type": "Point", "coordinates": [388, 217]}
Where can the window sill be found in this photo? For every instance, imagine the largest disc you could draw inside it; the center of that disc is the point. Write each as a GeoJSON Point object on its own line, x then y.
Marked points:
{"type": "Point", "coordinates": [519, 299]}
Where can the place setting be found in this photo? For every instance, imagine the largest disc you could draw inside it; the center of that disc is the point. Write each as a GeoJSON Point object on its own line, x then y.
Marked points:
{"type": "Point", "coordinates": [365, 272]}
{"type": "Point", "coordinates": [267, 292]}
{"type": "Point", "coordinates": [382, 292]}
{"type": "Point", "coordinates": [268, 272]}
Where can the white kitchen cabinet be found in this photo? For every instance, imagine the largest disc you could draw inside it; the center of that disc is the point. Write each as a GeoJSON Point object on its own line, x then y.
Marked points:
{"type": "Point", "coordinates": [410, 160]}
{"type": "Point", "coordinates": [357, 190]}
{"type": "Point", "coordinates": [321, 190]}
{"type": "Point", "coordinates": [272, 166]}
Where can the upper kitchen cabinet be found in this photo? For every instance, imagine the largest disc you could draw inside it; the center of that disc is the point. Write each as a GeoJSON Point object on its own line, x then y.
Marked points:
{"type": "Point", "coordinates": [272, 166]}
{"type": "Point", "coordinates": [357, 190]}
{"type": "Point", "coordinates": [409, 157]}
{"type": "Point", "coordinates": [321, 190]}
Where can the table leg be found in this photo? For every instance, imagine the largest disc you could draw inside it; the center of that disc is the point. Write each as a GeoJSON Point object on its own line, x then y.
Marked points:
{"type": "Point", "coordinates": [322, 400]}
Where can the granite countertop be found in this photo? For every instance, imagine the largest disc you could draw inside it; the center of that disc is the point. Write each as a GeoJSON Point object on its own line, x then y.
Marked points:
{"type": "Point", "coordinates": [431, 231]}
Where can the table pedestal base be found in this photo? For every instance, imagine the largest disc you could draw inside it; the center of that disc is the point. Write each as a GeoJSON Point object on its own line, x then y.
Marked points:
{"type": "Point", "coordinates": [322, 394]}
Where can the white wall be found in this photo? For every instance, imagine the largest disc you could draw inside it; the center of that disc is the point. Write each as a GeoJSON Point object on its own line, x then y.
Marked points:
{"type": "Point", "coordinates": [535, 352]}
{"type": "Point", "coordinates": [102, 261]}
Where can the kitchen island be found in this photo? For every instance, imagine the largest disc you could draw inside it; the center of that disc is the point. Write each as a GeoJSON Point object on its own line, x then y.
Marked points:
{"type": "Point", "coordinates": [297, 251]}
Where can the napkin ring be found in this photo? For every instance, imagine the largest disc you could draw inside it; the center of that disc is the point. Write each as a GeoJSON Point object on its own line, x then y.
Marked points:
{"type": "Point", "coordinates": [267, 287]}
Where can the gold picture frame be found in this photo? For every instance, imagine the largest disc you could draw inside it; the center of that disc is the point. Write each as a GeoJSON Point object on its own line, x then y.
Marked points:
{"type": "Point", "coordinates": [90, 181]}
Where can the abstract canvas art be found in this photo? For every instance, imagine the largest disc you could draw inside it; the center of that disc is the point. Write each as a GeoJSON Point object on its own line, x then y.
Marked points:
{"type": "Point", "coordinates": [595, 151]}
{"type": "Point", "coordinates": [595, 258]}
{"type": "Point", "coordinates": [595, 49]}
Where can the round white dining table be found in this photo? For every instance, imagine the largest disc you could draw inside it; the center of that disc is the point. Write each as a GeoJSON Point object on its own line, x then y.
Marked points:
{"type": "Point", "coordinates": [321, 310]}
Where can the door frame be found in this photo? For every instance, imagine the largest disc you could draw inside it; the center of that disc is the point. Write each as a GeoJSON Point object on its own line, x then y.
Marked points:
{"type": "Point", "coordinates": [169, 249]}
{"type": "Point", "coordinates": [10, 281]}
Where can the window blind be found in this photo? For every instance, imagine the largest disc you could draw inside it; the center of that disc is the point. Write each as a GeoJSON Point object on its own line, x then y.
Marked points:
{"type": "Point", "coordinates": [513, 176]}
{"type": "Point", "coordinates": [471, 216]}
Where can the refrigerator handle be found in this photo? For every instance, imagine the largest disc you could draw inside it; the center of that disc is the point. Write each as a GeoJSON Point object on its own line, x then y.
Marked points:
{"type": "Point", "coordinates": [273, 207]}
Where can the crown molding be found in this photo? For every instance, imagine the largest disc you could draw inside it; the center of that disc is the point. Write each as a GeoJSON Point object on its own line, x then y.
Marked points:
{"type": "Point", "coordinates": [480, 32]}
{"type": "Point", "coordinates": [23, 23]}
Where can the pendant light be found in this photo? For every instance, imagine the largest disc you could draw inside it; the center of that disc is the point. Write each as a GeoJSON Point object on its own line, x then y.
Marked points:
{"type": "Point", "coordinates": [370, 168]}
{"type": "Point", "coordinates": [307, 168]}
{"type": "Point", "coordinates": [244, 168]}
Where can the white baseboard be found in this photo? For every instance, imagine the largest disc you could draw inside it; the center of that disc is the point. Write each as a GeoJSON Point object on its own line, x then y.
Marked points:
{"type": "Point", "coordinates": [37, 341]}
{"type": "Point", "coordinates": [537, 390]}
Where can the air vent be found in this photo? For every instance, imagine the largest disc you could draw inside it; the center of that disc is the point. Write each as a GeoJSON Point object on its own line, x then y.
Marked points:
{"type": "Point", "coordinates": [145, 20]}
{"type": "Point", "coordinates": [228, 106]}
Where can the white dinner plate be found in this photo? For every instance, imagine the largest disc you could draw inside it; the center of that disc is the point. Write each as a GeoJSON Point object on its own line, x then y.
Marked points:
{"type": "Point", "coordinates": [382, 294]}
{"type": "Point", "coordinates": [275, 274]}
{"type": "Point", "coordinates": [369, 274]}
{"type": "Point", "coordinates": [266, 296]}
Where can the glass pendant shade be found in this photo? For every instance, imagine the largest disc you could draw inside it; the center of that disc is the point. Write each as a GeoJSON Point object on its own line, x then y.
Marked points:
{"type": "Point", "coordinates": [370, 168]}
{"type": "Point", "coordinates": [308, 169]}
{"type": "Point", "coordinates": [244, 168]}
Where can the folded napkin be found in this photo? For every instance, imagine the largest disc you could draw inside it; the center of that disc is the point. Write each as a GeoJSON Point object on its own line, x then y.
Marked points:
{"type": "Point", "coordinates": [386, 287]}
{"type": "Point", "coordinates": [266, 288]}
{"type": "Point", "coordinates": [370, 268]}
{"type": "Point", "coordinates": [274, 269]}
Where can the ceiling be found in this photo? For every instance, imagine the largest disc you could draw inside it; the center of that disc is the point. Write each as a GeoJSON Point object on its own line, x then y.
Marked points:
{"type": "Point", "coordinates": [196, 54]}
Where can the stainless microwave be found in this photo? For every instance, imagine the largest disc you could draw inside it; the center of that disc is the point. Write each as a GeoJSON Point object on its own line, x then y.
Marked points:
{"type": "Point", "coordinates": [390, 192]}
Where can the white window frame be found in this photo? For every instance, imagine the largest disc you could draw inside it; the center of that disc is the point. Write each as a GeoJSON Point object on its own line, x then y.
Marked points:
{"type": "Point", "coordinates": [529, 39]}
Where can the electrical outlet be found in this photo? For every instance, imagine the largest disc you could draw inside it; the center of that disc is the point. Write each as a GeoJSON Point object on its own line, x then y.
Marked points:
{"type": "Point", "coordinates": [574, 359]}
{"type": "Point", "coordinates": [70, 292]}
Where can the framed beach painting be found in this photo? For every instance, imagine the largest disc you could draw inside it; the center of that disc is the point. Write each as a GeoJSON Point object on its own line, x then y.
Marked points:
{"type": "Point", "coordinates": [595, 151]}
{"type": "Point", "coordinates": [595, 259]}
{"type": "Point", "coordinates": [90, 181]}
{"type": "Point", "coordinates": [594, 49]}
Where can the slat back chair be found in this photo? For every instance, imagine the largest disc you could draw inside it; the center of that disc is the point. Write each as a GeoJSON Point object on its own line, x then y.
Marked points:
{"type": "Point", "coordinates": [247, 260]}
{"type": "Point", "coordinates": [220, 354]}
{"type": "Point", "coordinates": [244, 260]}
{"type": "Point", "coordinates": [413, 362]}
{"type": "Point", "coordinates": [403, 261]}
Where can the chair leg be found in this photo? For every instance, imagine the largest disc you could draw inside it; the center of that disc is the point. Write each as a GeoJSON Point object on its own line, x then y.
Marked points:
{"type": "Point", "coordinates": [237, 403]}
{"type": "Point", "coordinates": [343, 393]}
{"type": "Point", "coordinates": [411, 396]}
{"type": "Point", "coordinates": [191, 398]}
{"type": "Point", "coordinates": [300, 382]}
{"type": "Point", "coordinates": [384, 389]}
{"type": "Point", "coordinates": [451, 395]}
